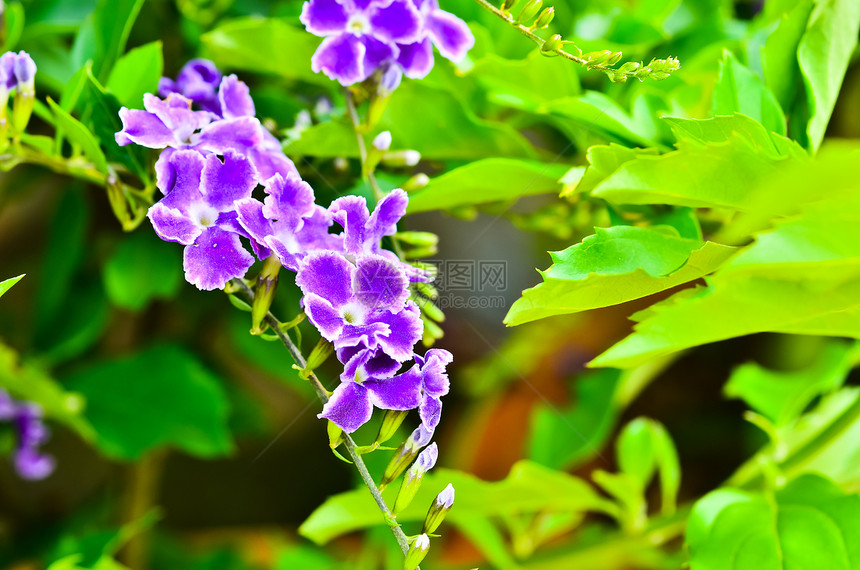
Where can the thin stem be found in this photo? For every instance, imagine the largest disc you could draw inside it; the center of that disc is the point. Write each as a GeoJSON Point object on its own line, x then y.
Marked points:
{"type": "Point", "coordinates": [322, 394]}
{"type": "Point", "coordinates": [362, 154]}
{"type": "Point", "coordinates": [82, 170]}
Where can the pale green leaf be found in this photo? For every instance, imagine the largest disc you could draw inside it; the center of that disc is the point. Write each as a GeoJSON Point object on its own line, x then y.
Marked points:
{"type": "Point", "coordinates": [487, 180]}
{"type": "Point", "coordinates": [137, 73]}
{"type": "Point", "coordinates": [7, 284]}
{"type": "Point", "coordinates": [738, 90]}
{"type": "Point", "coordinates": [779, 53]}
{"type": "Point", "coordinates": [80, 135]}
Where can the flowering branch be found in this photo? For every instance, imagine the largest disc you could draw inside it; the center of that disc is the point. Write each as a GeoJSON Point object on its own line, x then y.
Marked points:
{"type": "Point", "coordinates": [323, 395]}
{"type": "Point", "coordinates": [603, 60]}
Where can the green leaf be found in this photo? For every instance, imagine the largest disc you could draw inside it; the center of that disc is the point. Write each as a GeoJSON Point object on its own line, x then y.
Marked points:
{"type": "Point", "coordinates": [803, 271]}
{"type": "Point", "coordinates": [142, 268]}
{"type": "Point", "coordinates": [718, 163]}
{"type": "Point", "coordinates": [13, 25]}
{"type": "Point", "coordinates": [738, 90]}
{"type": "Point", "coordinates": [824, 53]}
{"type": "Point", "coordinates": [26, 381]}
{"type": "Point", "coordinates": [112, 21]}
{"type": "Point", "coordinates": [526, 82]}
{"type": "Point", "coordinates": [81, 136]}
{"type": "Point", "coordinates": [7, 284]}
{"type": "Point", "coordinates": [487, 180]}
{"type": "Point", "coordinates": [779, 54]}
{"type": "Point", "coordinates": [161, 396]}
{"type": "Point", "coordinates": [137, 73]}
{"type": "Point", "coordinates": [603, 160]}
{"type": "Point", "coordinates": [811, 523]}
{"type": "Point", "coordinates": [527, 488]}
{"type": "Point", "coordinates": [266, 45]}
{"type": "Point", "coordinates": [564, 438]}
{"type": "Point", "coordinates": [614, 266]}
{"type": "Point", "coordinates": [782, 396]}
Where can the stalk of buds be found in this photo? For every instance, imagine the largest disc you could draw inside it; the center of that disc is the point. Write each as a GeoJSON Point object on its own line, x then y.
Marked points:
{"type": "Point", "coordinates": [390, 422]}
{"type": "Point", "coordinates": [439, 510]}
{"type": "Point", "coordinates": [414, 477]}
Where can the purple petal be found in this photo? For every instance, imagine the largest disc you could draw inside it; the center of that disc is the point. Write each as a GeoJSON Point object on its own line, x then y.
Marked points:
{"type": "Point", "coordinates": [362, 335]}
{"type": "Point", "coordinates": [341, 58]}
{"type": "Point", "coordinates": [451, 36]}
{"type": "Point", "coordinates": [224, 183]}
{"type": "Point", "coordinates": [398, 393]}
{"type": "Point", "coordinates": [172, 225]}
{"type": "Point", "coordinates": [436, 381]}
{"type": "Point", "coordinates": [380, 284]}
{"type": "Point", "coordinates": [249, 214]}
{"type": "Point", "coordinates": [352, 214]}
{"type": "Point", "coordinates": [235, 98]}
{"type": "Point", "coordinates": [349, 407]}
{"type": "Point", "coordinates": [399, 22]}
{"type": "Point", "coordinates": [216, 257]}
{"type": "Point", "coordinates": [416, 59]}
{"type": "Point", "coordinates": [375, 53]}
{"type": "Point", "coordinates": [324, 316]}
{"type": "Point", "coordinates": [232, 134]}
{"type": "Point", "coordinates": [389, 210]}
{"type": "Point", "coordinates": [32, 465]}
{"type": "Point", "coordinates": [270, 162]}
{"type": "Point", "coordinates": [430, 411]}
{"type": "Point", "coordinates": [25, 69]}
{"type": "Point", "coordinates": [184, 193]}
{"type": "Point", "coordinates": [324, 17]}
{"type": "Point", "coordinates": [288, 258]}
{"type": "Point", "coordinates": [143, 128]}
{"type": "Point", "coordinates": [328, 275]}
{"type": "Point", "coordinates": [406, 329]}
{"type": "Point", "coordinates": [362, 362]}
{"type": "Point", "coordinates": [176, 114]}
{"type": "Point", "coordinates": [289, 201]}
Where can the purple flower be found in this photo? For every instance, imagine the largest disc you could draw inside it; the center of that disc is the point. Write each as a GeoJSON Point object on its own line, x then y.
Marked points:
{"type": "Point", "coordinates": [360, 35]}
{"type": "Point", "coordinates": [16, 70]}
{"type": "Point", "coordinates": [198, 80]}
{"type": "Point", "coordinates": [31, 433]}
{"type": "Point", "coordinates": [447, 32]}
{"type": "Point", "coordinates": [445, 499]}
{"type": "Point", "coordinates": [360, 305]}
{"type": "Point", "coordinates": [288, 223]}
{"type": "Point", "coordinates": [197, 212]}
{"type": "Point", "coordinates": [25, 71]}
{"type": "Point", "coordinates": [425, 462]}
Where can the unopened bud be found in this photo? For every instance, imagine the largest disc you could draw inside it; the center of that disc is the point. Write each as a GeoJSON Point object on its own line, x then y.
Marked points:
{"type": "Point", "coordinates": [529, 11]}
{"type": "Point", "coordinates": [421, 252]}
{"type": "Point", "coordinates": [382, 142]}
{"type": "Point", "coordinates": [405, 454]}
{"type": "Point", "coordinates": [439, 510]}
{"type": "Point", "coordinates": [25, 96]}
{"type": "Point", "coordinates": [335, 434]}
{"type": "Point", "coordinates": [402, 158]}
{"type": "Point", "coordinates": [629, 67]}
{"type": "Point", "coordinates": [264, 293]}
{"type": "Point", "coordinates": [595, 58]}
{"type": "Point", "coordinates": [432, 331]}
{"type": "Point", "coordinates": [319, 354]}
{"type": "Point", "coordinates": [545, 18]}
{"type": "Point", "coordinates": [433, 312]}
{"type": "Point", "coordinates": [508, 5]}
{"type": "Point", "coordinates": [390, 422]}
{"type": "Point", "coordinates": [427, 290]}
{"type": "Point", "coordinates": [418, 238]}
{"type": "Point", "coordinates": [554, 43]}
{"type": "Point", "coordinates": [614, 58]}
{"type": "Point", "coordinates": [417, 182]}
{"type": "Point", "coordinates": [417, 552]}
{"type": "Point", "coordinates": [414, 477]}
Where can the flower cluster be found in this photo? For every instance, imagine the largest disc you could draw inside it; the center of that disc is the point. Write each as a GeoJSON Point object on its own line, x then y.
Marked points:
{"type": "Point", "coordinates": [31, 433]}
{"type": "Point", "coordinates": [394, 37]}
{"type": "Point", "coordinates": [355, 292]}
{"type": "Point", "coordinates": [17, 72]}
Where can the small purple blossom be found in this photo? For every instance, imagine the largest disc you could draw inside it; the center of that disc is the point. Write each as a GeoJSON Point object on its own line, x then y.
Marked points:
{"type": "Point", "coordinates": [425, 462]}
{"type": "Point", "coordinates": [17, 70]}
{"type": "Point", "coordinates": [445, 499]}
{"type": "Point", "coordinates": [197, 212]}
{"type": "Point", "coordinates": [26, 418]}
{"type": "Point", "coordinates": [198, 80]}
{"type": "Point", "coordinates": [434, 384]}
{"type": "Point", "coordinates": [360, 35]}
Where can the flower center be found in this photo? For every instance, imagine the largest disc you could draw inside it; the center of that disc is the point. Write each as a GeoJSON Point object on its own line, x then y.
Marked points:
{"type": "Point", "coordinates": [358, 24]}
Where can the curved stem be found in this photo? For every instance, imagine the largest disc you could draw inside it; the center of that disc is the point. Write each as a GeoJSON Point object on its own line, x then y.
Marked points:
{"type": "Point", "coordinates": [362, 154]}
{"type": "Point", "coordinates": [322, 394]}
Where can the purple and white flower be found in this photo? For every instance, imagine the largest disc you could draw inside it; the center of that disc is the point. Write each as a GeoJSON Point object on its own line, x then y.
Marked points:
{"type": "Point", "coordinates": [198, 80]}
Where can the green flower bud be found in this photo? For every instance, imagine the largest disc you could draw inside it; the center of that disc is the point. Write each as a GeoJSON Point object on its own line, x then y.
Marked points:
{"type": "Point", "coordinates": [595, 58]}
{"type": "Point", "coordinates": [545, 18]}
{"type": "Point", "coordinates": [509, 5]}
{"type": "Point", "coordinates": [417, 238]}
{"type": "Point", "coordinates": [439, 509]}
{"type": "Point", "coordinates": [401, 158]}
{"type": "Point", "coordinates": [417, 182]}
{"type": "Point", "coordinates": [335, 434]}
{"type": "Point", "coordinates": [405, 454]}
{"type": "Point", "coordinates": [417, 552]}
{"type": "Point", "coordinates": [390, 422]}
{"type": "Point", "coordinates": [554, 43]}
{"type": "Point", "coordinates": [319, 354]}
{"type": "Point", "coordinates": [427, 290]}
{"type": "Point", "coordinates": [267, 284]}
{"type": "Point", "coordinates": [414, 477]}
{"type": "Point", "coordinates": [529, 11]}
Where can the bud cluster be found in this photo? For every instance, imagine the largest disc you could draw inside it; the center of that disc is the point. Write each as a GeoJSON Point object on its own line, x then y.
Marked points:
{"type": "Point", "coordinates": [17, 72]}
